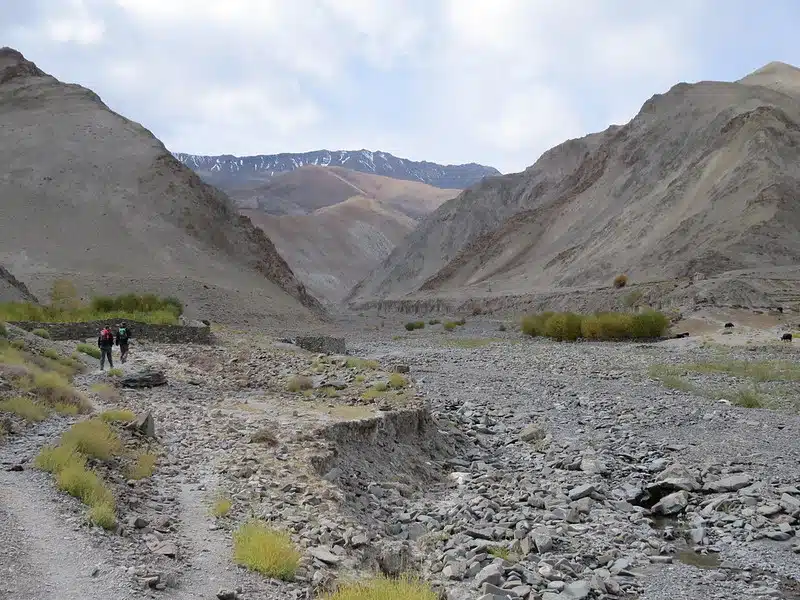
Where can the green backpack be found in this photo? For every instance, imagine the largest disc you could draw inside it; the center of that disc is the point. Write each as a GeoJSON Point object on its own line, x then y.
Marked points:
{"type": "Point", "coordinates": [122, 335]}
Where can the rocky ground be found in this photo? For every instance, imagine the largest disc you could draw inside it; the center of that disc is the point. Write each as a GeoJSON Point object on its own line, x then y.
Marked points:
{"type": "Point", "coordinates": [509, 467]}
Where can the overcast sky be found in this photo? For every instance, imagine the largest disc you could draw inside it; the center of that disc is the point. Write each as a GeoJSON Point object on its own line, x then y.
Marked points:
{"type": "Point", "coordinates": [453, 81]}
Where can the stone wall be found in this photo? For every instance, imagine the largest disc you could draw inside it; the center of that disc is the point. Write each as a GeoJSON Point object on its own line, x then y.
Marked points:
{"type": "Point", "coordinates": [321, 343]}
{"type": "Point", "coordinates": [166, 334]}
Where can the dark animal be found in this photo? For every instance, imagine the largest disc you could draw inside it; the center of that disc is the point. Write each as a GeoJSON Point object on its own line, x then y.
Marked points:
{"type": "Point", "coordinates": [682, 335]}
{"type": "Point", "coordinates": [728, 325]}
{"type": "Point", "coordinates": [787, 337]}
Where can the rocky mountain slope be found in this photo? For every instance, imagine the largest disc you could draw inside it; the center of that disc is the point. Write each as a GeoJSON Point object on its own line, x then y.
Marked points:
{"type": "Point", "coordinates": [228, 171]}
{"type": "Point", "coordinates": [704, 180]}
{"type": "Point", "coordinates": [92, 196]}
{"type": "Point", "coordinates": [12, 289]}
{"type": "Point", "coordinates": [334, 225]}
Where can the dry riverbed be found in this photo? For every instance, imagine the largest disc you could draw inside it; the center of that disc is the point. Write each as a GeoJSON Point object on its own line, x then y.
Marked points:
{"type": "Point", "coordinates": [499, 467]}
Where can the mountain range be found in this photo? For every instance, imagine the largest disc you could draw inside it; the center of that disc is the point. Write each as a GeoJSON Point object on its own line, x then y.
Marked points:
{"type": "Point", "coordinates": [700, 189]}
{"type": "Point", "coordinates": [228, 172]}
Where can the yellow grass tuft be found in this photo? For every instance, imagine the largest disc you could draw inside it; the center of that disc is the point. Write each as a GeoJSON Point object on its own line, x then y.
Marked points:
{"type": "Point", "coordinates": [93, 437]}
{"type": "Point", "coordinates": [397, 381]}
{"type": "Point", "coordinates": [25, 408]}
{"type": "Point", "coordinates": [54, 459]}
{"type": "Point", "coordinates": [382, 588]}
{"type": "Point", "coordinates": [221, 507]}
{"type": "Point", "coordinates": [299, 383]}
{"type": "Point", "coordinates": [265, 550]}
{"type": "Point", "coordinates": [144, 466]}
{"type": "Point", "coordinates": [104, 515]}
{"type": "Point", "coordinates": [118, 416]}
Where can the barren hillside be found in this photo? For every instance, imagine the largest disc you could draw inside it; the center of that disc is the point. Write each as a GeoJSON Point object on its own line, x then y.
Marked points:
{"type": "Point", "coordinates": [342, 223]}
{"type": "Point", "coordinates": [92, 196]}
{"type": "Point", "coordinates": [13, 290]}
{"type": "Point", "coordinates": [705, 179]}
{"type": "Point", "coordinates": [308, 188]}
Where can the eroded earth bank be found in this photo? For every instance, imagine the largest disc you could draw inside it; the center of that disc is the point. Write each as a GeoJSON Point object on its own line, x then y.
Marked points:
{"type": "Point", "coordinates": [497, 467]}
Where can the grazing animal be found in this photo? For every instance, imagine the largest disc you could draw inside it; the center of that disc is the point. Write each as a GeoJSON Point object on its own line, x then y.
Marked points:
{"type": "Point", "coordinates": [787, 337]}
{"type": "Point", "coordinates": [682, 335]}
{"type": "Point", "coordinates": [727, 325]}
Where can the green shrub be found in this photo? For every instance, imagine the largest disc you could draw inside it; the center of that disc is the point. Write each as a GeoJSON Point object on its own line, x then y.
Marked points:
{"type": "Point", "coordinates": [144, 466]}
{"type": "Point", "coordinates": [450, 325]}
{"type": "Point", "coordinates": [649, 324]}
{"type": "Point", "coordinates": [104, 515]}
{"type": "Point", "coordinates": [54, 389]}
{"type": "Point", "coordinates": [51, 353]}
{"type": "Point", "coordinates": [265, 550]}
{"type": "Point", "coordinates": [42, 333]}
{"type": "Point", "coordinates": [18, 344]}
{"type": "Point", "coordinates": [533, 325]}
{"type": "Point", "coordinates": [563, 327]}
{"type": "Point", "coordinates": [115, 372]}
{"type": "Point", "coordinates": [84, 484]}
{"type": "Point", "coordinates": [415, 325]}
{"type": "Point", "coordinates": [3, 329]}
{"type": "Point", "coordinates": [461, 322]}
{"type": "Point", "coordinates": [93, 437]}
{"type": "Point", "coordinates": [221, 507]}
{"type": "Point", "coordinates": [89, 349]}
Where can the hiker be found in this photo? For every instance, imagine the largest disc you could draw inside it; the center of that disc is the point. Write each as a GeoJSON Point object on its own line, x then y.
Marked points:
{"type": "Point", "coordinates": [105, 341]}
{"type": "Point", "coordinates": [123, 335]}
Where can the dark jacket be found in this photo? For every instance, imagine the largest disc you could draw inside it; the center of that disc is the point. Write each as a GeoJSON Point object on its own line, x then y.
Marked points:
{"type": "Point", "coordinates": [123, 340]}
{"type": "Point", "coordinates": [105, 344]}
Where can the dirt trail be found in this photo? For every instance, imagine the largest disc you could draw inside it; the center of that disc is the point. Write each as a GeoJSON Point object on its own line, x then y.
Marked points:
{"type": "Point", "coordinates": [43, 555]}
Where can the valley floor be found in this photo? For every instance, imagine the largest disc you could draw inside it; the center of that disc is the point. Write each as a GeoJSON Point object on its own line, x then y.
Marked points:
{"type": "Point", "coordinates": [551, 471]}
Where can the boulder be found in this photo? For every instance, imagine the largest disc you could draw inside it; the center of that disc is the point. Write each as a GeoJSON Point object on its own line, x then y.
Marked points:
{"type": "Point", "coordinates": [144, 379]}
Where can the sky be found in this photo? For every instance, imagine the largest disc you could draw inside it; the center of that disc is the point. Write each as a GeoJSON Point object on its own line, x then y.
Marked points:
{"type": "Point", "coordinates": [496, 82]}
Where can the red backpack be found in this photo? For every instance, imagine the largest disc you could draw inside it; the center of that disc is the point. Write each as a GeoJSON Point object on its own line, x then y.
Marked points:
{"type": "Point", "coordinates": [106, 335]}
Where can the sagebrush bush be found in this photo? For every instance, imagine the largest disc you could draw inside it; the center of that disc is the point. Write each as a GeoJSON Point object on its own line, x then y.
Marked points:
{"type": "Point", "coordinates": [411, 326]}
{"type": "Point", "coordinates": [620, 281]}
{"type": "Point", "coordinates": [93, 437]}
{"type": "Point", "coordinates": [533, 325]}
{"type": "Point", "coordinates": [42, 333]}
{"type": "Point", "coordinates": [383, 588]}
{"type": "Point", "coordinates": [450, 325]}
{"type": "Point", "coordinates": [53, 388]}
{"type": "Point", "coordinates": [51, 353]}
{"type": "Point", "coordinates": [104, 515]}
{"type": "Point", "coordinates": [354, 362]}
{"type": "Point", "coordinates": [84, 484]}
{"type": "Point", "coordinates": [89, 349]}
{"type": "Point", "coordinates": [265, 550]}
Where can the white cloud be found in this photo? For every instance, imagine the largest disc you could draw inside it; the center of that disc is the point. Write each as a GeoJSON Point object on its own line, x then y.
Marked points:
{"type": "Point", "coordinates": [448, 80]}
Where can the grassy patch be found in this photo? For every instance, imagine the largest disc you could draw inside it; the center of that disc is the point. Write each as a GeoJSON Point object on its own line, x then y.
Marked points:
{"type": "Point", "coordinates": [3, 329]}
{"type": "Point", "coordinates": [118, 416]}
{"type": "Point", "coordinates": [115, 372]}
{"type": "Point", "coordinates": [747, 398]}
{"type": "Point", "coordinates": [90, 350]}
{"type": "Point", "coordinates": [42, 333]}
{"type": "Point", "coordinates": [51, 353]}
{"type": "Point", "coordinates": [265, 550]}
{"type": "Point", "coordinates": [361, 363]}
{"type": "Point", "coordinates": [500, 552]}
{"type": "Point", "coordinates": [25, 408]}
{"type": "Point", "coordinates": [469, 342]}
{"type": "Point", "coordinates": [299, 383]}
{"type": "Point", "coordinates": [397, 381]}
{"type": "Point", "coordinates": [450, 325]}
{"type": "Point", "coordinates": [144, 466]}
{"type": "Point", "coordinates": [376, 391]}
{"type": "Point", "coordinates": [93, 437]}
{"type": "Point", "coordinates": [759, 371]}
{"type": "Point", "coordinates": [53, 388]}
{"type": "Point", "coordinates": [383, 588]}
{"type": "Point", "coordinates": [411, 326]}
{"type": "Point", "coordinates": [221, 507]}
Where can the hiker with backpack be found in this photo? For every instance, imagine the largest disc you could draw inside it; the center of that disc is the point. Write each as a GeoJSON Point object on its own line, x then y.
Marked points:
{"type": "Point", "coordinates": [105, 341]}
{"type": "Point", "coordinates": [123, 335]}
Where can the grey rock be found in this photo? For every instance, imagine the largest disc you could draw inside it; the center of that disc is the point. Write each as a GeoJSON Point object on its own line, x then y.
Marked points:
{"type": "Point", "coordinates": [729, 484]}
{"type": "Point", "coordinates": [324, 555]}
{"type": "Point", "coordinates": [144, 379]}
{"type": "Point", "coordinates": [577, 590]}
{"type": "Point", "coordinates": [582, 491]}
{"type": "Point", "coordinates": [492, 573]}
{"type": "Point", "coordinates": [673, 504]}
{"type": "Point", "coordinates": [144, 425]}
